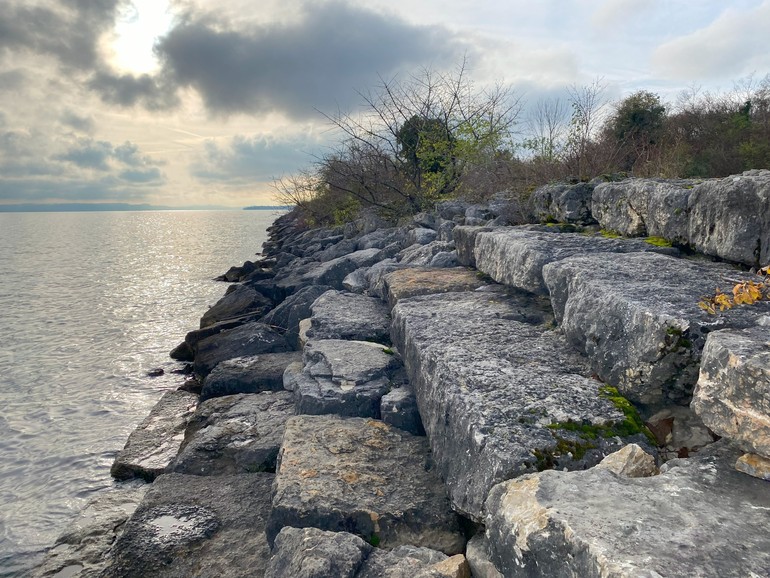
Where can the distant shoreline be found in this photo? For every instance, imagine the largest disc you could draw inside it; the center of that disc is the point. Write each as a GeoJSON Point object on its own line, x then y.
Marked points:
{"type": "Point", "coordinates": [87, 207]}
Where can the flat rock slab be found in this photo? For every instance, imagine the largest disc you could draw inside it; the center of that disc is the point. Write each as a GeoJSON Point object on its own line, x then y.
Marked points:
{"type": "Point", "coordinates": [156, 441]}
{"type": "Point", "coordinates": [342, 315]}
{"type": "Point", "coordinates": [250, 374]}
{"type": "Point", "coordinates": [313, 553]}
{"type": "Point", "coordinates": [346, 378]}
{"type": "Point", "coordinates": [496, 393]}
{"type": "Point", "coordinates": [516, 256]}
{"type": "Point", "coordinates": [698, 518]}
{"type": "Point", "coordinates": [245, 340]}
{"type": "Point", "coordinates": [235, 434]}
{"type": "Point", "coordinates": [733, 391]}
{"type": "Point", "coordinates": [424, 281]}
{"type": "Point", "coordinates": [636, 317]}
{"type": "Point", "coordinates": [365, 477]}
{"type": "Point", "coordinates": [83, 549]}
{"type": "Point", "coordinates": [196, 526]}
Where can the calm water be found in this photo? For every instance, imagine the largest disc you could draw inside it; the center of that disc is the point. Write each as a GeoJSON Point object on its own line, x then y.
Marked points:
{"type": "Point", "coordinates": [89, 302]}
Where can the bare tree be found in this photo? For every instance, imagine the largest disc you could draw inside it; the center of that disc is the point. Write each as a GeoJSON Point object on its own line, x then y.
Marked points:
{"type": "Point", "coordinates": [587, 104]}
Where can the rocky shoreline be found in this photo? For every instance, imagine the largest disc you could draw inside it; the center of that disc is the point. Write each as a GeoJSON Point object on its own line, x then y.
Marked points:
{"type": "Point", "coordinates": [459, 397]}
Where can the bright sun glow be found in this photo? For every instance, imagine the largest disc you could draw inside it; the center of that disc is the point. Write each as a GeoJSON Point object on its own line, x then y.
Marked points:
{"type": "Point", "coordinates": [140, 26]}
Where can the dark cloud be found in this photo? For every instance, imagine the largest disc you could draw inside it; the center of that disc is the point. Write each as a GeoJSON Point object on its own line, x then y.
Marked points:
{"type": "Point", "coordinates": [129, 90]}
{"type": "Point", "coordinates": [315, 62]}
{"type": "Point", "coordinates": [89, 154]}
{"type": "Point", "coordinates": [68, 31]}
{"type": "Point", "coordinates": [12, 80]}
{"type": "Point", "coordinates": [150, 175]}
{"type": "Point", "coordinates": [77, 122]}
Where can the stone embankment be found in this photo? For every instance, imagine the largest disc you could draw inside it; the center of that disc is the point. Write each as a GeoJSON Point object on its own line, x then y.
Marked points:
{"type": "Point", "coordinates": [457, 397]}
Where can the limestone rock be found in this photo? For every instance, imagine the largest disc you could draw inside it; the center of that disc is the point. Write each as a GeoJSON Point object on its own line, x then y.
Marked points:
{"type": "Point", "coordinates": [733, 392]}
{"type": "Point", "coordinates": [246, 340]}
{"type": "Point", "coordinates": [346, 378]}
{"type": "Point", "coordinates": [399, 409]}
{"type": "Point", "coordinates": [250, 374]}
{"type": "Point", "coordinates": [242, 300]}
{"type": "Point", "coordinates": [293, 310]}
{"type": "Point", "coordinates": [375, 276]}
{"type": "Point", "coordinates": [679, 432]}
{"type": "Point", "coordinates": [497, 393]}
{"type": "Point", "coordinates": [420, 236]}
{"type": "Point", "coordinates": [423, 281]}
{"type": "Point", "coordinates": [156, 441]}
{"type": "Point", "coordinates": [196, 526]}
{"type": "Point", "coordinates": [630, 461]}
{"type": "Point", "coordinates": [333, 272]}
{"type": "Point", "coordinates": [465, 243]}
{"type": "Point", "coordinates": [234, 434]}
{"type": "Point", "coordinates": [636, 317]}
{"type": "Point", "coordinates": [422, 255]}
{"type": "Point", "coordinates": [570, 203]}
{"type": "Point", "coordinates": [362, 476]}
{"type": "Point", "coordinates": [477, 554]}
{"type": "Point", "coordinates": [340, 315]}
{"type": "Point", "coordinates": [314, 553]}
{"type": "Point", "coordinates": [699, 517]}
{"type": "Point", "coordinates": [754, 465]}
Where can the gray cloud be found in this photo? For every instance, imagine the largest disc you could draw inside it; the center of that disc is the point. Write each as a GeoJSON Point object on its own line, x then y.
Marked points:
{"type": "Point", "coordinates": [314, 62]}
{"type": "Point", "coordinates": [89, 154]}
{"type": "Point", "coordinates": [128, 90]}
{"type": "Point", "coordinates": [77, 122]}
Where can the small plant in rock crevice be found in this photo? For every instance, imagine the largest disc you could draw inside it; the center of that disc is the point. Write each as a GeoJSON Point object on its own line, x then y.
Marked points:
{"type": "Point", "coordinates": [743, 293]}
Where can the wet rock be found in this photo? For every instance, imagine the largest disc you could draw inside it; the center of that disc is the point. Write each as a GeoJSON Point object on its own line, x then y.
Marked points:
{"type": "Point", "coordinates": [82, 550]}
{"type": "Point", "coordinates": [516, 257]}
{"type": "Point", "coordinates": [498, 395]}
{"type": "Point", "coordinates": [156, 441]}
{"type": "Point", "coordinates": [346, 378]}
{"type": "Point", "coordinates": [246, 340]}
{"type": "Point", "coordinates": [399, 409]}
{"type": "Point", "coordinates": [341, 315]}
{"type": "Point", "coordinates": [730, 218]}
{"type": "Point", "coordinates": [196, 526]}
{"type": "Point", "coordinates": [636, 317]}
{"type": "Point", "coordinates": [699, 517]}
{"type": "Point", "coordinates": [407, 283]}
{"type": "Point", "coordinates": [182, 352]}
{"type": "Point", "coordinates": [733, 391]}
{"type": "Point", "coordinates": [250, 374]}
{"type": "Point", "coordinates": [194, 337]}
{"type": "Point", "coordinates": [364, 477]}
{"type": "Point", "coordinates": [563, 202]}
{"type": "Point", "coordinates": [234, 434]}
{"type": "Point", "coordinates": [241, 301]}
{"type": "Point", "coordinates": [293, 310]}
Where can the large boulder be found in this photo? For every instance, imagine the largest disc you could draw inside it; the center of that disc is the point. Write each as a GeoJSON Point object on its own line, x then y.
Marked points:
{"type": "Point", "coordinates": [342, 315]}
{"type": "Point", "coordinates": [234, 434]}
{"type": "Point", "coordinates": [155, 442]}
{"type": "Point", "coordinates": [698, 518]}
{"type": "Point", "coordinates": [364, 477]}
{"type": "Point", "coordinates": [563, 202]}
{"type": "Point", "coordinates": [733, 391]}
{"type": "Point", "coordinates": [333, 272]}
{"type": "Point", "coordinates": [292, 310]}
{"type": "Point", "coordinates": [636, 317]}
{"type": "Point", "coordinates": [500, 395]}
{"type": "Point", "coordinates": [241, 301]}
{"type": "Point", "coordinates": [196, 526]}
{"type": "Point", "coordinates": [422, 255]}
{"type": "Point", "coordinates": [343, 377]}
{"type": "Point", "coordinates": [406, 283]}
{"type": "Point", "coordinates": [250, 374]}
{"type": "Point", "coordinates": [245, 340]}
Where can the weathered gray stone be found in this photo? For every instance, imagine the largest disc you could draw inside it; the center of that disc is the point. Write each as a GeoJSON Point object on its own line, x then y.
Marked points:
{"type": "Point", "coordinates": [83, 549]}
{"type": "Point", "coordinates": [156, 441]}
{"type": "Point", "coordinates": [631, 461]}
{"type": "Point", "coordinates": [364, 477]}
{"type": "Point", "coordinates": [341, 315]}
{"type": "Point", "coordinates": [730, 218]}
{"type": "Point", "coordinates": [246, 340]}
{"type": "Point", "coordinates": [356, 282]}
{"type": "Point", "coordinates": [465, 243]}
{"type": "Point", "coordinates": [291, 375]}
{"type": "Point", "coordinates": [241, 301]}
{"type": "Point", "coordinates": [337, 250]}
{"type": "Point", "coordinates": [346, 378]}
{"type": "Point", "coordinates": [422, 255]}
{"type": "Point", "coordinates": [406, 283]}
{"type": "Point", "coordinates": [420, 236]}
{"type": "Point", "coordinates": [733, 391]}
{"type": "Point", "coordinates": [496, 393]}
{"type": "Point", "coordinates": [375, 275]}
{"type": "Point", "coordinates": [193, 337]}
{"type": "Point", "coordinates": [636, 317]}
{"type": "Point", "coordinates": [754, 465]}
{"type": "Point", "coordinates": [381, 238]}
{"type": "Point", "coordinates": [570, 203]}
{"type": "Point", "coordinates": [234, 434]}
{"type": "Point", "coordinates": [477, 553]}
{"type": "Point", "coordinates": [516, 257]}
{"type": "Point", "coordinates": [333, 272]}
{"type": "Point", "coordinates": [679, 432]}
{"type": "Point", "coordinates": [248, 374]}
{"type": "Point", "coordinates": [698, 518]}
{"type": "Point", "coordinates": [399, 409]}
{"type": "Point", "coordinates": [444, 260]}
{"type": "Point", "coordinates": [413, 562]}
{"type": "Point", "coordinates": [314, 553]}
{"type": "Point", "coordinates": [196, 526]}
{"type": "Point", "coordinates": [293, 310]}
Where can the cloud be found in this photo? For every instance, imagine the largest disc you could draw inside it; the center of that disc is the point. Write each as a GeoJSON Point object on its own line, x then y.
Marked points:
{"type": "Point", "coordinates": [614, 14]}
{"type": "Point", "coordinates": [128, 90]}
{"type": "Point", "coordinates": [315, 61]}
{"type": "Point", "coordinates": [733, 45]}
{"type": "Point", "coordinates": [73, 120]}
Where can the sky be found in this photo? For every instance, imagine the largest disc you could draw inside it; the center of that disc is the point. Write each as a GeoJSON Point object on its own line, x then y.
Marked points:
{"type": "Point", "coordinates": [206, 102]}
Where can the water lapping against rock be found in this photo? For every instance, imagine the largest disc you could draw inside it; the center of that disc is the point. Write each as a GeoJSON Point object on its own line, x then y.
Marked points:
{"type": "Point", "coordinates": [89, 302]}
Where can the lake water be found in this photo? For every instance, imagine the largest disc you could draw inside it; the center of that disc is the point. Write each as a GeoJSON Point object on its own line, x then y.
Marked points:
{"type": "Point", "coordinates": [89, 302]}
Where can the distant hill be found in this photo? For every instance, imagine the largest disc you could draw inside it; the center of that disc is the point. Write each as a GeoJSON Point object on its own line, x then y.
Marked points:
{"type": "Point", "coordinates": [78, 207]}
{"type": "Point", "coordinates": [267, 208]}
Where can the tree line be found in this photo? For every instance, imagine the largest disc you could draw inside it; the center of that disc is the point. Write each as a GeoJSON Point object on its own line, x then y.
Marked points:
{"type": "Point", "coordinates": [435, 136]}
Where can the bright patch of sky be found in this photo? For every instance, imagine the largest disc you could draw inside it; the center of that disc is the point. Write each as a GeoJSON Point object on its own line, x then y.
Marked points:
{"type": "Point", "coordinates": [138, 27]}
